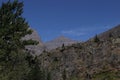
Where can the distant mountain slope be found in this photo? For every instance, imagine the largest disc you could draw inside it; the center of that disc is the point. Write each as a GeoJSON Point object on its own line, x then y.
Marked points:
{"type": "Point", "coordinates": [114, 32]}
{"type": "Point", "coordinates": [85, 61]}
{"type": "Point", "coordinates": [58, 42]}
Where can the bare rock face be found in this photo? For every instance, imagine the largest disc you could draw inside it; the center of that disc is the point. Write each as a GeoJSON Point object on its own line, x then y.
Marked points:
{"type": "Point", "coordinates": [35, 49]}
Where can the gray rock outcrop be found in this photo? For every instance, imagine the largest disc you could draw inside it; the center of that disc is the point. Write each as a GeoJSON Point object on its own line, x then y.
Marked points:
{"type": "Point", "coordinates": [35, 49]}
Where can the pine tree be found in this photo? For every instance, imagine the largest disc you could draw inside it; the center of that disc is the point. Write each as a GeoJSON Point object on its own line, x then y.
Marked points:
{"type": "Point", "coordinates": [96, 39]}
{"type": "Point", "coordinates": [13, 27]}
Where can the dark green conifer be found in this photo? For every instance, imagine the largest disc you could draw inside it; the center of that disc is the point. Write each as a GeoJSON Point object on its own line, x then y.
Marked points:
{"type": "Point", "coordinates": [13, 27]}
{"type": "Point", "coordinates": [96, 39]}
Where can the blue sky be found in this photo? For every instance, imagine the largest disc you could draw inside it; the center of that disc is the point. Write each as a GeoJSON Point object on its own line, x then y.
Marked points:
{"type": "Point", "coordinates": [76, 19]}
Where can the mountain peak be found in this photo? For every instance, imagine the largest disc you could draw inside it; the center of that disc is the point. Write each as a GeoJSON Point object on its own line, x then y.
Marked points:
{"type": "Point", "coordinates": [58, 42]}
{"type": "Point", "coordinates": [62, 38]}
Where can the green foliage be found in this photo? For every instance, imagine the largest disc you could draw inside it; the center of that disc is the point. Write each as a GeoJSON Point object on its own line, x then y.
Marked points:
{"type": "Point", "coordinates": [36, 73]}
{"type": "Point", "coordinates": [108, 75]}
{"type": "Point", "coordinates": [110, 35]}
{"type": "Point", "coordinates": [96, 39]}
{"type": "Point", "coordinates": [28, 42]}
{"type": "Point", "coordinates": [64, 76]}
{"type": "Point", "coordinates": [63, 47]}
{"type": "Point", "coordinates": [15, 62]}
{"type": "Point", "coordinates": [15, 69]}
{"type": "Point", "coordinates": [49, 76]}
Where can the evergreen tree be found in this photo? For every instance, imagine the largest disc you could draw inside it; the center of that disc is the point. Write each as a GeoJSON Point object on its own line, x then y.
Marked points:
{"type": "Point", "coordinates": [62, 47]}
{"type": "Point", "coordinates": [13, 27]}
{"type": "Point", "coordinates": [36, 73]}
{"type": "Point", "coordinates": [96, 39]}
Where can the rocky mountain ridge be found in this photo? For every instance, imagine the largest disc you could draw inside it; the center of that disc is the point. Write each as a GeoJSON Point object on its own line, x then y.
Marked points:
{"type": "Point", "coordinates": [114, 32]}
{"type": "Point", "coordinates": [58, 42]}
{"type": "Point", "coordinates": [90, 60]}
{"type": "Point", "coordinates": [55, 43]}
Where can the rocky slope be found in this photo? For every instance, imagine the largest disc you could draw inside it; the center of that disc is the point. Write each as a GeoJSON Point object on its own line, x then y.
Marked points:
{"type": "Point", "coordinates": [90, 60]}
{"type": "Point", "coordinates": [114, 32]}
